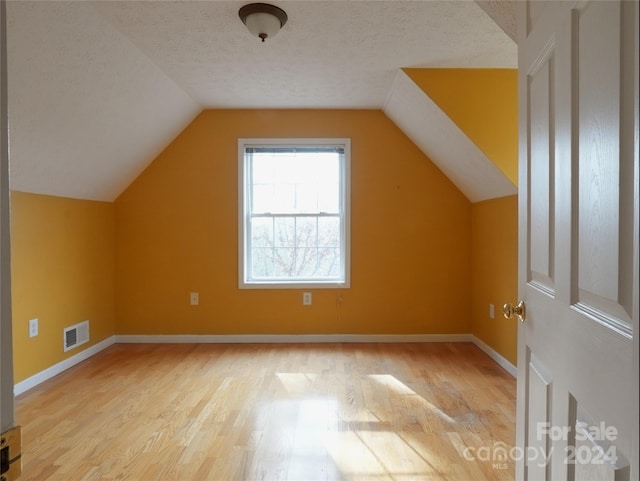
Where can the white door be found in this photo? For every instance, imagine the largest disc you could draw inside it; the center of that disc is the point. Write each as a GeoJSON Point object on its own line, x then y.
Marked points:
{"type": "Point", "coordinates": [577, 415]}
{"type": "Point", "coordinates": [6, 352]}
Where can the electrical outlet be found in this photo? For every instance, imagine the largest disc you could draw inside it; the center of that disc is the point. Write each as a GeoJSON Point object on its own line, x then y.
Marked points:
{"type": "Point", "coordinates": [194, 298]}
{"type": "Point", "coordinates": [491, 311]}
{"type": "Point", "coordinates": [33, 327]}
{"type": "Point", "coordinates": [306, 298]}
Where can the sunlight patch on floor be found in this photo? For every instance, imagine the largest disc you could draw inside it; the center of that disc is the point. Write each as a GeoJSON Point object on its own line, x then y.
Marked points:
{"type": "Point", "coordinates": [296, 382]}
{"type": "Point", "coordinates": [378, 455]}
{"type": "Point", "coordinates": [398, 387]}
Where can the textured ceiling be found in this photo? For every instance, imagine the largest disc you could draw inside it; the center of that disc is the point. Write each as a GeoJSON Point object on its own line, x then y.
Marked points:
{"type": "Point", "coordinates": [503, 13]}
{"type": "Point", "coordinates": [97, 89]}
{"type": "Point", "coordinates": [329, 54]}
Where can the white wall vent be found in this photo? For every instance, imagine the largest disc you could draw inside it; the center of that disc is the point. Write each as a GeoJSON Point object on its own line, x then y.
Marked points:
{"type": "Point", "coordinates": [76, 335]}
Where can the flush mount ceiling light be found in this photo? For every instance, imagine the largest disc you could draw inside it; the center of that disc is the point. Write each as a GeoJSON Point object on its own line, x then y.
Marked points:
{"type": "Point", "coordinates": [263, 20]}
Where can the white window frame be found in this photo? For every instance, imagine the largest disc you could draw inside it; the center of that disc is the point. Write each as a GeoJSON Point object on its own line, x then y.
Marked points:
{"type": "Point", "coordinates": [244, 282]}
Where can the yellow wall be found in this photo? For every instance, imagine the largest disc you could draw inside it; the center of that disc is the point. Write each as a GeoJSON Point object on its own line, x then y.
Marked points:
{"type": "Point", "coordinates": [418, 247]}
{"type": "Point", "coordinates": [494, 272]}
{"type": "Point", "coordinates": [177, 232]}
{"type": "Point", "coordinates": [483, 103]}
{"type": "Point", "coordinates": [62, 263]}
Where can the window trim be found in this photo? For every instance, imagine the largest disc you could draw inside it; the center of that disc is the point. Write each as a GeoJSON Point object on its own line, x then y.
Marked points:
{"type": "Point", "coordinates": [243, 282]}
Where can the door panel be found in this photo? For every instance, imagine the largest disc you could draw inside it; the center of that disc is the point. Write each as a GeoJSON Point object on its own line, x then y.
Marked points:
{"type": "Point", "coordinates": [578, 254]}
{"type": "Point", "coordinates": [533, 13]}
{"type": "Point", "coordinates": [593, 454]}
{"type": "Point", "coordinates": [539, 387]}
{"type": "Point", "coordinates": [541, 213]}
{"type": "Point", "coordinates": [597, 29]}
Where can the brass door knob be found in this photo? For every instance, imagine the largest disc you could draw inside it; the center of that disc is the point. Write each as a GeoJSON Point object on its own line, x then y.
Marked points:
{"type": "Point", "coordinates": [508, 311]}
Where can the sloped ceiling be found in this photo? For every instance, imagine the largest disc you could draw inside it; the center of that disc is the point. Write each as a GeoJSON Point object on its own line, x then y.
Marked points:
{"type": "Point", "coordinates": [503, 13]}
{"type": "Point", "coordinates": [87, 110]}
{"type": "Point", "coordinates": [98, 89]}
{"type": "Point", "coordinates": [483, 103]}
{"type": "Point", "coordinates": [442, 140]}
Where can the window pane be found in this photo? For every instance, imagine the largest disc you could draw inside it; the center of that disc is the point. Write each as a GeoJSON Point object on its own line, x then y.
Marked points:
{"type": "Point", "coordinates": [263, 198]}
{"type": "Point", "coordinates": [285, 167]}
{"type": "Point", "coordinates": [262, 232]}
{"type": "Point", "coordinates": [307, 261]}
{"type": "Point", "coordinates": [329, 262]}
{"type": "Point", "coordinates": [329, 232]}
{"type": "Point", "coordinates": [306, 231]}
{"type": "Point", "coordinates": [262, 264]}
{"type": "Point", "coordinates": [284, 262]}
{"type": "Point", "coordinates": [284, 198]}
{"type": "Point", "coordinates": [285, 233]}
{"type": "Point", "coordinates": [307, 198]}
{"type": "Point", "coordinates": [291, 182]}
{"type": "Point", "coordinates": [262, 170]}
{"type": "Point", "coordinates": [329, 198]}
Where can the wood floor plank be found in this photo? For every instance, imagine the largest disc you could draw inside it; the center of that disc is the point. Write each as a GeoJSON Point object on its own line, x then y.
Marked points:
{"type": "Point", "coordinates": [296, 412]}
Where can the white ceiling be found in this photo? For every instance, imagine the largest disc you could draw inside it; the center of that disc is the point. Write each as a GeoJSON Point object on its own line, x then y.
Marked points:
{"type": "Point", "coordinates": [98, 89]}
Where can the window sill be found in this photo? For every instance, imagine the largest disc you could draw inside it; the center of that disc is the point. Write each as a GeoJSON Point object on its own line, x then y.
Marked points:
{"type": "Point", "coordinates": [294, 285]}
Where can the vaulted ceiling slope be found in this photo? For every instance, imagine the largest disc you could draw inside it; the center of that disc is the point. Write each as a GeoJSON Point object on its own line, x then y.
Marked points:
{"type": "Point", "coordinates": [444, 143]}
{"type": "Point", "coordinates": [87, 110]}
{"type": "Point", "coordinates": [98, 89]}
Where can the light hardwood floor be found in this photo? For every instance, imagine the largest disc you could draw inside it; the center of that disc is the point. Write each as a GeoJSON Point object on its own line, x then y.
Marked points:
{"type": "Point", "coordinates": [188, 412]}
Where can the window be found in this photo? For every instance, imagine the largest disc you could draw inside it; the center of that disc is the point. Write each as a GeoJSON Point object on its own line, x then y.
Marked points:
{"type": "Point", "coordinates": [294, 212]}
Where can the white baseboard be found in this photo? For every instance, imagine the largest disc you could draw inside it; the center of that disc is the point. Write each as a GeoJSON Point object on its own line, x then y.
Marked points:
{"type": "Point", "coordinates": [290, 338]}
{"type": "Point", "coordinates": [493, 354]}
{"type": "Point", "coordinates": [48, 373]}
